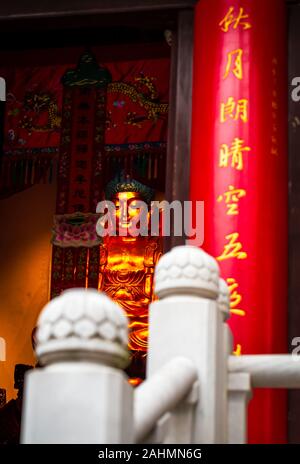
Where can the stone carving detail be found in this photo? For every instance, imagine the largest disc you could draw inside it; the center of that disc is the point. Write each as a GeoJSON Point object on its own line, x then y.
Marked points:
{"type": "Point", "coordinates": [187, 270]}
{"type": "Point", "coordinates": [85, 324]}
{"type": "Point", "coordinates": [224, 299]}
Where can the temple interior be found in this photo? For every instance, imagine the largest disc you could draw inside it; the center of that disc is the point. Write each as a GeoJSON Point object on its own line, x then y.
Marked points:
{"type": "Point", "coordinates": [122, 102]}
{"type": "Point", "coordinates": [79, 116]}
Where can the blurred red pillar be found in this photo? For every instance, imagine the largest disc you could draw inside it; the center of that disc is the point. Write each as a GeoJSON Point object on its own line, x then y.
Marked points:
{"type": "Point", "coordinates": [239, 168]}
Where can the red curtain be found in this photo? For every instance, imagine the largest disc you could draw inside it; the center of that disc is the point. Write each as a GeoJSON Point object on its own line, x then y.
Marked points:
{"type": "Point", "coordinates": [135, 120]}
{"type": "Point", "coordinates": [34, 90]}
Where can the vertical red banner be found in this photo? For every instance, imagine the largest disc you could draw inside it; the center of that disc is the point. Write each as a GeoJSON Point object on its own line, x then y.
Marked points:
{"type": "Point", "coordinates": [239, 168]}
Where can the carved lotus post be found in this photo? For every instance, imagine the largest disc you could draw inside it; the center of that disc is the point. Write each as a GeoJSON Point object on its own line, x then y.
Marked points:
{"type": "Point", "coordinates": [81, 395]}
{"type": "Point", "coordinates": [187, 321]}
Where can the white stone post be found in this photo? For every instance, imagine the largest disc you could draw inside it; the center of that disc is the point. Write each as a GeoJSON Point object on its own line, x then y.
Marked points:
{"type": "Point", "coordinates": [186, 321]}
{"type": "Point", "coordinates": [240, 392]}
{"type": "Point", "coordinates": [224, 308]}
{"type": "Point", "coordinates": [81, 395]}
{"type": "Point", "coordinates": [161, 394]}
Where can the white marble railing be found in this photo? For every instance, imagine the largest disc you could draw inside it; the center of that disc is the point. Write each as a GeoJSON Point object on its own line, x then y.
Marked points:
{"type": "Point", "coordinates": [169, 387]}
{"type": "Point", "coordinates": [195, 391]}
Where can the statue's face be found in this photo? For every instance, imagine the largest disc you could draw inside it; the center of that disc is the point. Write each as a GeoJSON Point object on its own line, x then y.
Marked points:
{"type": "Point", "coordinates": [127, 208]}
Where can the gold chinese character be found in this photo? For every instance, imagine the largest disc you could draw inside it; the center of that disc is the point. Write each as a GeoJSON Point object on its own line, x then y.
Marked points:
{"type": "Point", "coordinates": [235, 297]}
{"type": "Point", "coordinates": [231, 198]}
{"type": "Point", "coordinates": [235, 21]}
{"type": "Point", "coordinates": [233, 249]}
{"type": "Point", "coordinates": [274, 151]}
{"type": "Point", "coordinates": [235, 152]}
{"type": "Point", "coordinates": [234, 62]}
{"type": "Point", "coordinates": [238, 350]}
{"type": "Point", "coordinates": [235, 110]}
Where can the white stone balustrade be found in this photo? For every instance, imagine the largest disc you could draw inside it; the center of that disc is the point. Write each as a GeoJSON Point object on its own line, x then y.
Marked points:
{"type": "Point", "coordinates": [81, 395]}
{"type": "Point", "coordinates": [195, 391]}
{"type": "Point", "coordinates": [187, 322]}
{"type": "Point", "coordinates": [164, 391]}
{"type": "Point", "coordinates": [268, 371]}
{"type": "Point", "coordinates": [224, 308]}
{"type": "Point", "coordinates": [239, 394]}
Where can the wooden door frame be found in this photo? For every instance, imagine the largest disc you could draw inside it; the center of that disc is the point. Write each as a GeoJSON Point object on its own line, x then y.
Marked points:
{"type": "Point", "coordinates": [294, 212]}
{"type": "Point", "coordinates": [180, 116]}
{"type": "Point", "coordinates": [18, 9]}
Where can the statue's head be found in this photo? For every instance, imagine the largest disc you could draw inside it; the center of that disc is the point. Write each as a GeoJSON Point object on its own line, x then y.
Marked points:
{"type": "Point", "coordinates": [124, 184]}
{"type": "Point", "coordinates": [126, 193]}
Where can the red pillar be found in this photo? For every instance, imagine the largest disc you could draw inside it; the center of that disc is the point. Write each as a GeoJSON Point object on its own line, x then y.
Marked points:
{"type": "Point", "coordinates": [239, 168]}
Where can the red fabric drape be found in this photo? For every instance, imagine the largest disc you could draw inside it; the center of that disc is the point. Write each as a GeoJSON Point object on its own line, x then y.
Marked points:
{"type": "Point", "coordinates": [136, 116]}
{"type": "Point", "coordinates": [239, 168]}
{"type": "Point", "coordinates": [34, 102]}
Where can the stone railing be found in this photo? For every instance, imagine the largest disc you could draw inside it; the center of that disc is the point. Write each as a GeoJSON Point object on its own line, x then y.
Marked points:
{"type": "Point", "coordinates": [195, 390]}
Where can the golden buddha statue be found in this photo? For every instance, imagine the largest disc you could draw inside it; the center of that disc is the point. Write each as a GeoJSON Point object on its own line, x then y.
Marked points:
{"type": "Point", "coordinates": [127, 266]}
